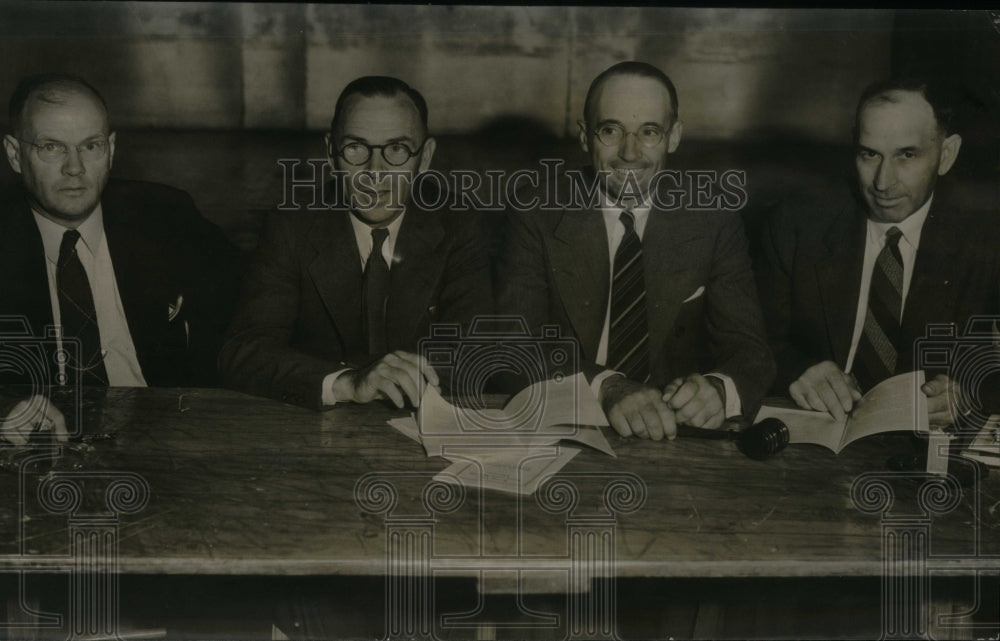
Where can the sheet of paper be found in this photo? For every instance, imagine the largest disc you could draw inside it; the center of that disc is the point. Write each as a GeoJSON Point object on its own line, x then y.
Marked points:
{"type": "Point", "coordinates": [895, 404]}
{"type": "Point", "coordinates": [806, 426]}
{"type": "Point", "coordinates": [515, 471]}
{"type": "Point", "coordinates": [407, 427]}
{"type": "Point", "coordinates": [524, 421]}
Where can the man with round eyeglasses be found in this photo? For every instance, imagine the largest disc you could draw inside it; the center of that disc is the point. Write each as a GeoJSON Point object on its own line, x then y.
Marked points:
{"type": "Point", "coordinates": [337, 299]}
{"type": "Point", "coordinates": [662, 302]}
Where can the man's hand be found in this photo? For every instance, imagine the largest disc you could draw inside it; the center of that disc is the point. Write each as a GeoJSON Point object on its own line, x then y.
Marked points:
{"type": "Point", "coordinates": [634, 408]}
{"type": "Point", "coordinates": [942, 400]}
{"type": "Point", "coordinates": [396, 376]}
{"type": "Point", "coordinates": [825, 388]}
{"type": "Point", "coordinates": [33, 415]}
{"type": "Point", "coordinates": [696, 401]}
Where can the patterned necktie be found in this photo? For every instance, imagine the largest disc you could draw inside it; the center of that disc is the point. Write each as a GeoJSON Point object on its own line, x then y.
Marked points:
{"type": "Point", "coordinates": [878, 347]}
{"type": "Point", "coordinates": [376, 291]}
{"type": "Point", "coordinates": [629, 330]}
{"type": "Point", "coordinates": [79, 317]}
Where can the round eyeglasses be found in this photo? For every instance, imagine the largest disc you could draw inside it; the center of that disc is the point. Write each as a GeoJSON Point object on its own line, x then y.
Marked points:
{"type": "Point", "coordinates": [613, 135]}
{"type": "Point", "coordinates": [394, 153]}
{"type": "Point", "coordinates": [53, 152]}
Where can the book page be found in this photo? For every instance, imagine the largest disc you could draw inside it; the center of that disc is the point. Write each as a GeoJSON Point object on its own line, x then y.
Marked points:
{"type": "Point", "coordinates": [896, 404]}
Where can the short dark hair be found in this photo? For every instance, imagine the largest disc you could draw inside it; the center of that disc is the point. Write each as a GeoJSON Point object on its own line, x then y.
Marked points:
{"type": "Point", "coordinates": [386, 86]}
{"type": "Point", "coordinates": [628, 68]}
{"type": "Point", "coordinates": [45, 84]}
{"type": "Point", "coordinates": [937, 94]}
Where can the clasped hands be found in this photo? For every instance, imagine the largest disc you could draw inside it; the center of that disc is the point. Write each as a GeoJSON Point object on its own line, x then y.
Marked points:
{"type": "Point", "coordinates": [826, 388]}
{"type": "Point", "coordinates": [641, 410]}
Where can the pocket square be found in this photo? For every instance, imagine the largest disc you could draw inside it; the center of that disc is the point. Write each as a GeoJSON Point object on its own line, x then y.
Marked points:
{"type": "Point", "coordinates": [174, 309]}
{"type": "Point", "coordinates": [698, 292]}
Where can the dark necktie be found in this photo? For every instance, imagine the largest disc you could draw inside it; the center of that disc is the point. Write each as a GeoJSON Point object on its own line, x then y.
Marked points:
{"type": "Point", "coordinates": [878, 347]}
{"type": "Point", "coordinates": [376, 291]}
{"type": "Point", "coordinates": [76, 309]}
{"type": "Point", "coordinates": [628, 334]}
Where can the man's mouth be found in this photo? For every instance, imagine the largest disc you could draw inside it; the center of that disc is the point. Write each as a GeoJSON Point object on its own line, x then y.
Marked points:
{"type": "Point", "coordinates": [887, 203]}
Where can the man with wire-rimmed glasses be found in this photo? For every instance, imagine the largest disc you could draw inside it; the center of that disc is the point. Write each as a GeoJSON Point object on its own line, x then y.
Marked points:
{"type": "Point", "coordinates": [338, 299]}
{"type": "Point", "coordinates": [661, 300]}
{"type": "Point", "coordinates": [129, 271]}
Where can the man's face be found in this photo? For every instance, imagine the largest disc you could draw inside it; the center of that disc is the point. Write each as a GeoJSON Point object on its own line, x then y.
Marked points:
{"type": "Point", "coordinates": [65, 189]}
{"type": "Point", "coordinates": [379, 191]}
{"type": "Point", "coordinates": [900, 154]}
{"type": "Point", "coordinates": [634, 104]}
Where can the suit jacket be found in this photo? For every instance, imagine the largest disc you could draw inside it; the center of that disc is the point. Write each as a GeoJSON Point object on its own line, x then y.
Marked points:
{"type": "Point", "coordinates": [162, 249]}
{"type": "Point", "coordinates": [810, 278]}
{"type": "Point", "coordinates": [299, 318]}
{"type": "Point", "coordinates": [556, 270]}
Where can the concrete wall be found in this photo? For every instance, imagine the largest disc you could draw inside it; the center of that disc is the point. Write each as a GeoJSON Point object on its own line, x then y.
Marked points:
{"type": "Point", "coordinates": [741, 74]}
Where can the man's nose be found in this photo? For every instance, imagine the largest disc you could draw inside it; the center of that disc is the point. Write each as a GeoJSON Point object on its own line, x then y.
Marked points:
{"type": "Point", "coordinates": [73, 163]}
{"type": "Point", "coordinates": [885, 175]}
{"type": "Point", "coordinates": [629, 149]}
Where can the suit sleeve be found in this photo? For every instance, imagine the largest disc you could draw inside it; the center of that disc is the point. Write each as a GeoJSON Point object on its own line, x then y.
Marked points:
{"type": "Point", "coordinates": [257, 356]}
{"type": "Point", "coordinates": [467, 288]}
{"type": "Point", "coordinates": [775, 281]}
{"type": "Point", "coordinates": [736, 332]}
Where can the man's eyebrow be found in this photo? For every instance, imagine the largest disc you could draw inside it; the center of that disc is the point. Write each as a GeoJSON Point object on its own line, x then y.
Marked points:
{"type": "Point", "coordinates": [860, 147]}
{"type": "Point", "coordinates": [910, 149]}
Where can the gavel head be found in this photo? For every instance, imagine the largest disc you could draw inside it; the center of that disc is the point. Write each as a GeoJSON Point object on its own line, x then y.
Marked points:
{"type": "Point", "coordinates": [762, 440]}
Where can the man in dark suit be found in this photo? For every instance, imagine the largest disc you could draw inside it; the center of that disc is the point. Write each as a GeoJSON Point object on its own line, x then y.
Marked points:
{"type": "Point", "coordinates": [850, 281]}
{"type": "Point", "coordinates": [661, 300]}
{"type": "Point", "coordinates": [129, 270]}
{"type": "Point", "coordinates": [337, 299]}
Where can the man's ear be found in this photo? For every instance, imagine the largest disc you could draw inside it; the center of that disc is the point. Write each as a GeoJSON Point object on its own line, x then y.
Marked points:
{"type": "Point", "coordinates": [111, 149]}
{"type": "Point", "coordinates": [13, 152]}
{"type": "Point", "coordinates": [584, 137]}
{"type": "Point", "coordinates": [430, 145]}
{"type": "Point", "coordinates": [949, 153]}
{"type": "Point", "coordinates": [674, 137]}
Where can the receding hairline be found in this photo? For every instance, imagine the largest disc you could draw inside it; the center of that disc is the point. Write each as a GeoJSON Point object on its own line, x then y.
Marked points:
{"type": "Point", "coordinates": [350, 101]}
{"type": "Point", "coordinates": [633, 69]}
{"type": "Point", "coordinates": [896, 96]}
{"type": "Point", "coordinates": [58, 92]}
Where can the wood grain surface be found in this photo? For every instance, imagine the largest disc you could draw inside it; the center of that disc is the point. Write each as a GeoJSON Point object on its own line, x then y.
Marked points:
{"type": "Point", "coordinates": [243, 485]}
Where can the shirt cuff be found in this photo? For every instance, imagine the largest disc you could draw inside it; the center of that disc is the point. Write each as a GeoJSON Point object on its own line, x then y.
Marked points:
{"type": "Point", "coordinates": [734, 407]}
{"type": "Point", "coordinates": [595, 385]}
{"type": "Point", "coordinates": [327, 390]}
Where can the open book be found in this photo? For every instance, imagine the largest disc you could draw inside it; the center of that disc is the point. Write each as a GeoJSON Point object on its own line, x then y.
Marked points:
{"type": "Point", "coordinates": [895, 404]}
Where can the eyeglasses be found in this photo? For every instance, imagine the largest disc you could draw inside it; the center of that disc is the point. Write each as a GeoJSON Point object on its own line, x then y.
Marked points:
{"type": "Point", "coordinates": [52, 152]}
{"type": "Point", "coordinates": [612, 135]}
{"type": "Point", "coordinates": [394, 153]}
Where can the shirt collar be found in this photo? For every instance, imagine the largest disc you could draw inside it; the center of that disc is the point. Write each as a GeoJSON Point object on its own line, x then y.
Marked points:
{"type": "Point", "coordinates": [91, 232]}
{"type": "Point", "coordinates": [364, 230]}
{"type": "Point", "coordinates": [911, 226]}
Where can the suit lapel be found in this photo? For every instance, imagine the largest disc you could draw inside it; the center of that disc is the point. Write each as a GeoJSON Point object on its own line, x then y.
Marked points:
{"type": "Point", "coordinates": [336, 272]}
{"type": "Point", "coordinates": [142, 282]}
{"type": "Point", "coordinates": [580, 264]}
{"type": "Point", "coordinates": [25, 285]}
{"type": "Point", "coordinates": [929, 295]}
{"type": "Point", "coordinates": [839, 278]}
{"type": "Point", "coordinates": [414, 275]}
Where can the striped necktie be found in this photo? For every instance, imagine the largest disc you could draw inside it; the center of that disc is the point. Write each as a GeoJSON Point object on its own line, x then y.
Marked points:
{"type": "Point", "coordinates": [78, 315]}
{"type": "Point", "coordinates": [878, 347]}
{"type": "Point", "coordinates": [628, 334]}
{"type": "Point", "coordinates": [376, 291]}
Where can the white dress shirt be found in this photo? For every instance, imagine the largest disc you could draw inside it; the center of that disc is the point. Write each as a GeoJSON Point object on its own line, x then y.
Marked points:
{"type": "Point", "coordinates": [616, 231]}
{"type": "Point", "coordinates": [117, 348]}
{"type": "Point", "coordinates": [875, 241]}
{"type": "Point", "coordinates": [363, 237]}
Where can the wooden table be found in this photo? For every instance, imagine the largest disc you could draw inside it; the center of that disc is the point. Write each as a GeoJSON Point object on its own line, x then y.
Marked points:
{"type": "Point", "coordinates": [227, 484]}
